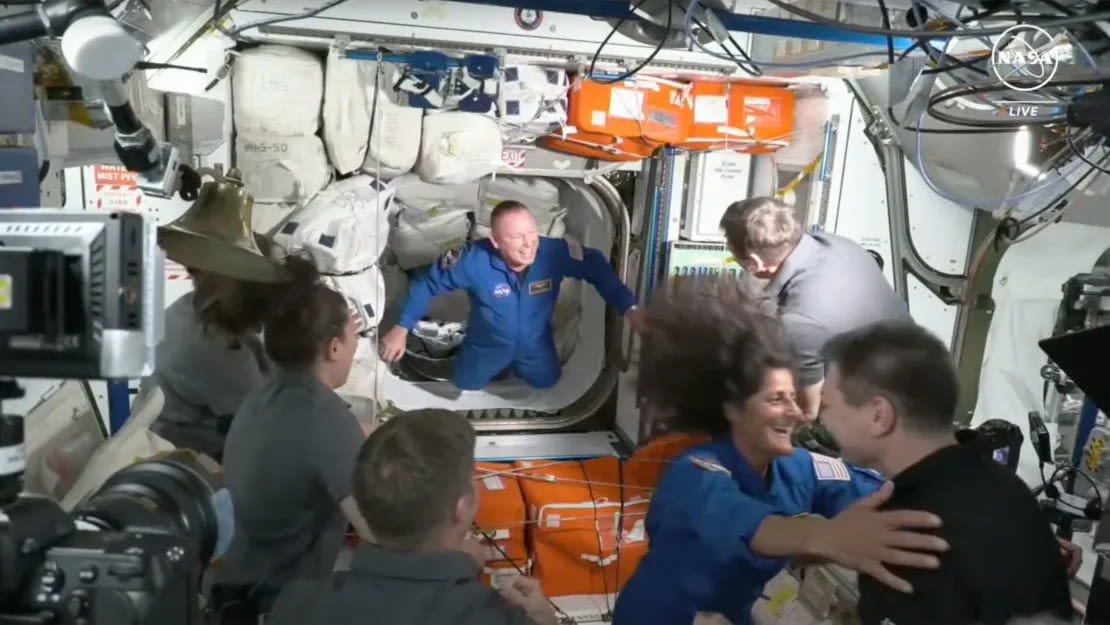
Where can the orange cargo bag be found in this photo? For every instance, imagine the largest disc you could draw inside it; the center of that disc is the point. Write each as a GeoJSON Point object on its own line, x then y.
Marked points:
{"type": "Point", "coordinates": [646, 465]}
{"type": "Point", "coordinates": [585, 539]}
{"type": "Point", "coordinates": [502, 516]}
{"type": "Point", "coordinates": [761, 114]}
{"type": "Point", "coordinates": [598, 146]}
{"type": "Point", "coordinates": [656, 111]}
{"type": "Point", "coordinates": [709, 120]}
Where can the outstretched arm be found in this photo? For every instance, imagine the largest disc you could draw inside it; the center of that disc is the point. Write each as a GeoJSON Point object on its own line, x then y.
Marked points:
{"type": "Point", "coordinates": [586, 263]}
{"type": "Point", "coordinates": [447, 274]}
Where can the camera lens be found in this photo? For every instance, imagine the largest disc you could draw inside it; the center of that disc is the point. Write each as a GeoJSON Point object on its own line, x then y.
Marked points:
{"type": "Point", "coordinates": [176, 493]}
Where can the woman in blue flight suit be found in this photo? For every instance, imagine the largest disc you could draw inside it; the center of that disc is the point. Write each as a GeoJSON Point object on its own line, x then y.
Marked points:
{"type": "Point", "coordinates": [720, 366]}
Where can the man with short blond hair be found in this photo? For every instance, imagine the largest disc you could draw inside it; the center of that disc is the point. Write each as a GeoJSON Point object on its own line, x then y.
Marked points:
{"type": "Point", "coordinates": [824, 284]}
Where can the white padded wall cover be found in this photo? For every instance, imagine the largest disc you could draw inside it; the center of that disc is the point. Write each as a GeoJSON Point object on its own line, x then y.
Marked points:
{"type": "Point", "coordinates": [532, 101]}
{"type": "Point", "coordinates": [395, 131]}
{"type": "Point", "coordinates": [540, 195]}
{"type": "Point", "coordinates": [458, 147]}
{"type": "Point", "coordinates": [346, 116]}
{"type": "Point", "coordinates": [277, 91]}
{"type": "Point", "coordinates": [364, 292]}
{"type": "Point", "coordinates": [280, 170]}
{"type": "Point", "coordinates": [345, 227]}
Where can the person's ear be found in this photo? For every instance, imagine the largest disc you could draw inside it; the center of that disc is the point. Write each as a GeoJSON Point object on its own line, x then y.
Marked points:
{"type": "Point", "coordinates": [331, 353]}
{"type": "Point", "coordinates": [883, 417]}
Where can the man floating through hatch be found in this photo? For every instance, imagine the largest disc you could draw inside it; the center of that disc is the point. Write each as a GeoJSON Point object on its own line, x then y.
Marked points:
{"type": "Point", "coordinates": [513, 280]}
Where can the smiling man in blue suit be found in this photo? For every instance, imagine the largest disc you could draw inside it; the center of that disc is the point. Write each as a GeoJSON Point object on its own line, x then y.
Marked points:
{"type": "Point", "coordinates": [513, 281]}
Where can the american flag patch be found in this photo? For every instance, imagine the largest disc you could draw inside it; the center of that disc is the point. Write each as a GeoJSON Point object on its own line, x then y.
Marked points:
{"type": "Point", "coordinates": [827, 468]}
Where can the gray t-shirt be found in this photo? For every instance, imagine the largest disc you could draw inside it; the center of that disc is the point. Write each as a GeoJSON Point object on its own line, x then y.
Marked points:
{"type": "Point", "coordinates": [288, 462]}
{"type": "Point", "coordinates": [387, 587]}
{"type": "Point", "coordinates": [204, 375]}
{"type": "Point", "coordinates": [830, 285]}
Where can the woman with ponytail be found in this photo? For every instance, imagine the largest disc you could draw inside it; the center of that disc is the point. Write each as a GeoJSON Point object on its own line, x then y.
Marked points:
{"type": "Point", "coordinates": [293, 444]}
{"type": "Point", "coordinates": [726, 515]}
{"type": "Point", "coordinates": [210, 358]}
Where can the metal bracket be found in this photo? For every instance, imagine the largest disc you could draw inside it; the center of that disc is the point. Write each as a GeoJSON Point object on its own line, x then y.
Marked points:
{"type": "Point", "coordinates": [949, 288]}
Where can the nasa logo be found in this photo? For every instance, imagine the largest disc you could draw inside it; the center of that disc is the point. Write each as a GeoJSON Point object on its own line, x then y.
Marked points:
{"type": "Point", "coordinates": [502, 290]}
{"type": "Point", "coordinates": [528, 19]}
{"type": "Point", "coordinates": [1025, 57]}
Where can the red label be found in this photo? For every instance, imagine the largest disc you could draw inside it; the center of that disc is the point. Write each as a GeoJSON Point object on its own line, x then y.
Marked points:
{"type": "Point", "coordinates": [111, 175]}
{"type": "Point", "coordinates": [513, 158]}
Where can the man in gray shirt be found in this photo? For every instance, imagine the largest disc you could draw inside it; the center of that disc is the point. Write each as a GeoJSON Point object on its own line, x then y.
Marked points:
{"type": "Point", "coordinates": [823, 284]}
{"type": "Point", "coordinates": [414, 484]}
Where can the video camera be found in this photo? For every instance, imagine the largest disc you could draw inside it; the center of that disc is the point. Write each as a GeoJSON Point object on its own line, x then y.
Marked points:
{"type": "Point", "coordinates": [131, 554]}
{"type": "Point", "coordinates": [79, 294]}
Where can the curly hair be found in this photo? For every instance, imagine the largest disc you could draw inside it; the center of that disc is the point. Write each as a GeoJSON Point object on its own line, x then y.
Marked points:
{"type": "Point", "coordinates": [709, 342]}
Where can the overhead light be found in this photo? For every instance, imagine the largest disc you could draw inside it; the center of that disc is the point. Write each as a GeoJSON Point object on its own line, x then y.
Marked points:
{"type": "Point", "coordinates": [1023, 153]}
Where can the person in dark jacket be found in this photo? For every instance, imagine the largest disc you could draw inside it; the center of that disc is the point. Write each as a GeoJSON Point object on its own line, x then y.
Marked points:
{"type": "Point", "coordinates": [889, 401]}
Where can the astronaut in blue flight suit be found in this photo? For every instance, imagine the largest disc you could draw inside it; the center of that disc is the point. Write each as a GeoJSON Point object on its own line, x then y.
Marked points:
{"type": "Point", "coordinates": [726, 515]}
{"type": "Point", "coordinates": [513, 280]}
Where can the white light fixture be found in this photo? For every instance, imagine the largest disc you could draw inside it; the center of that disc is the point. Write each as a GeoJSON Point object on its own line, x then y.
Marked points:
{"type": "Point", "coordinates": [1023, 152]}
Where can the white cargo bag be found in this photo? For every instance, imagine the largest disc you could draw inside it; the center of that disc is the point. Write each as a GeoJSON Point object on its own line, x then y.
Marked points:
{"type": "Point", "coordinates": [533, 100]}
{"type": "Point", "coordinates": [458, 147]}
{"type": "Point", "coordinates": [345, 228]}
{"type": "Point", "coordinates": [362, 380]}
{"type": "Point", "coordinates": [346, 116]}
{"type": "Point", "coordinates": [416, 245]}
{"type": "Point", "coordinates": [394, 143]}
{"type": "Point", "coordinates": [282, 170]}
{"type": "Point", "coordinates": [438, 338]}
{"type": "Point", "coordinates": [568, 314]}
{"type": "Point", "coordinates": [551, 225]}
{"type": "Point", "coordinates": [277, 90]}
{"type": "Point", "coordinates": [420, 198]}
{"type": "Point", "coordinates": [364, 292]}
{"type": "Point", "coordinates": [540, 195]}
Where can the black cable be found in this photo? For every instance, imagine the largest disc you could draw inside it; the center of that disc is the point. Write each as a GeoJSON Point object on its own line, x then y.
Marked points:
{"type": "Point", "coordinates": [747, 65]}
{"type": "Point", "coordinates": [1057, 22]}
{"type": "Point", "coordinates": [1070, 139]}
{"type": "Point", "coordinates": [957, 91]}
{"type": "Point", "coordinates": [1058, 202]}
{"type": "Point", "coordinates": [616, 27]}
{"type": "Point", "coordinates": [489, 538]}
{"type": "Point", "coordinates": [889, 39]}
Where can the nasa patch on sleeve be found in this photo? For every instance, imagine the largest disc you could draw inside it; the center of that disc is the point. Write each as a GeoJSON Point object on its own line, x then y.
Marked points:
{"type": "Point", "coordinates": [827, 468]}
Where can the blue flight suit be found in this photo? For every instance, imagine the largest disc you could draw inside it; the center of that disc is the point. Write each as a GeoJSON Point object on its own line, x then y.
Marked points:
{"type": "Point", "coordinates": [510, 313]}
{"type": "Point", "coordinates": [703, 515]}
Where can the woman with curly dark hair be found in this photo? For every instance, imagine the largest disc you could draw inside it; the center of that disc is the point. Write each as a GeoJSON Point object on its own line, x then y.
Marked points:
{"type": "Point", "coordinates": [726, 514]}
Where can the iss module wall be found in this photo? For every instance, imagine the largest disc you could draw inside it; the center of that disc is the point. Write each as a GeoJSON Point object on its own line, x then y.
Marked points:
{"type": "Point", "coordinates": [1026, 294]}
{"type": "Point", "coordinates": [415, 179]}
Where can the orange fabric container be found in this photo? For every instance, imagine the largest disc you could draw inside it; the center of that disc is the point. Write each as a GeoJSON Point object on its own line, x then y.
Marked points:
{"type": "Point", "coordinates": [640, 108]}
{"type": "Point", "coordinates": [585, 539]}
{"type": "Point", "coordinates": [501, 573]}
{"type": "Point", "coordinates": [761, 114]}
{"type": "Point", "coordinates": [598, 146]}
{"type": "Point", "coordinates": [709, 119]}
{"type": "Point", "coordinates": [646, 465]}
{"type": "Point", "coordinates": [501, 512]}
